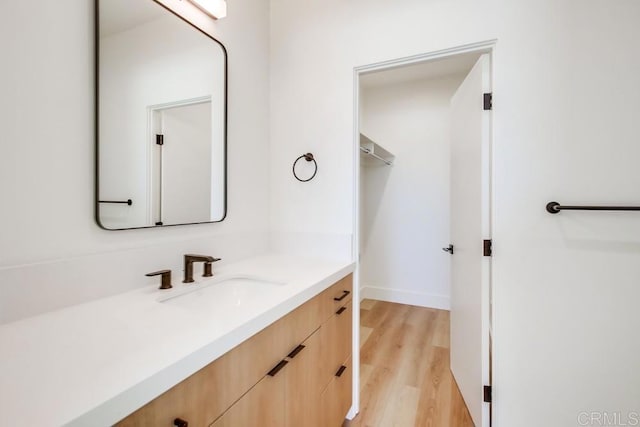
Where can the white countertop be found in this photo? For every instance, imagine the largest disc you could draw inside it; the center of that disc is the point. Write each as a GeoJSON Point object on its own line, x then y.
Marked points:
{"type": "Point", "coordinates": [95, 363]}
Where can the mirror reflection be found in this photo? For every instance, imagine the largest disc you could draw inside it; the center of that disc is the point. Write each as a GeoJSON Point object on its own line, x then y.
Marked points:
{"type": "Point", "coordinates": [161, 118]}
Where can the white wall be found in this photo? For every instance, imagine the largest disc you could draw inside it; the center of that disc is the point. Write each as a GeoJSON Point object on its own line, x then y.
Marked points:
{"type": "Point", "coordinates": [405, 210]}
{"type": "Point", "coordinates": [52, 253]}
{"type": "Point", "coordinates": [567, 101]}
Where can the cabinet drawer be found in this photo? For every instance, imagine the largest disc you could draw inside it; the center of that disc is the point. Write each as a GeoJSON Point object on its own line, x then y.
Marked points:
{"type": "Point", "coordinates": [300, 324]}
{"type": "Point", "coordinates": [336, 296]}
{"type": "Point", "coordinates": [336, 340]}
{"type": "Point", "coordinates": [336, 398]}
{"type": "Point", "coordinates": [263, 406]}
{"type": "Point", "coordinates": [304, 385]}
{"type": "Point", "coordinates": [289, 398]}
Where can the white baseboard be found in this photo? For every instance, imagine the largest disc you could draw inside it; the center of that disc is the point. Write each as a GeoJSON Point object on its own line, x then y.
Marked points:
{"type": "Point", "coordinates": [405, 297]}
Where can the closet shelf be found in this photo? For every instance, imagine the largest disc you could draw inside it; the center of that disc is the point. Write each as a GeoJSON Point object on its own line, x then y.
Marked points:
{"type": "Point", "coordinates": [372, 154]}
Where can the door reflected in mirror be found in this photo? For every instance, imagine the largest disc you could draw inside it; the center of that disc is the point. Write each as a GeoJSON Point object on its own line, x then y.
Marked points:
{"type": "Point", "coordinates": [161, 111]}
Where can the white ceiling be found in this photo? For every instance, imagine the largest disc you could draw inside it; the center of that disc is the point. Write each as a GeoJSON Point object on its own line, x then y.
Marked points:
{"type": "Point", "coordinates": [122, 15]}
{"type": "Point", "coordinates": [458, 65]}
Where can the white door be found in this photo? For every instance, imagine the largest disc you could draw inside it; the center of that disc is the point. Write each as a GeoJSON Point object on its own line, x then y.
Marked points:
{"type": "Point", "coordinates": [186, 164]}
{"type": "Point", "coordinates": [470, 225]}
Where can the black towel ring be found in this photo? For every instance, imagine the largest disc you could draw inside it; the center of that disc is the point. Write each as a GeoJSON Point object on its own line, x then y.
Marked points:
{"type": "Point", "coordinates": [309, 158]}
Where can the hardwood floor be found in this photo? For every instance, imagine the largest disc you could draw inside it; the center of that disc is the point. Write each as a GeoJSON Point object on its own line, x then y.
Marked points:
{"type": "Point", "coordinates": [404, 369]}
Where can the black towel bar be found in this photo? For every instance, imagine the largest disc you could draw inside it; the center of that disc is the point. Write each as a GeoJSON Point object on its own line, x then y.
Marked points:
{"type": "Point", "coordinates": [555, 207]}
{"type": "Point", "coordinates": [123, 202]}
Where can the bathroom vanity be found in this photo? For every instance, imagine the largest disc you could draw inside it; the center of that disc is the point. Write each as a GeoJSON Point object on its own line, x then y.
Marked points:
{"type": "Point", "coordinates": [266, 341]}
{"type": "Point", "coordinates": [295, 372]}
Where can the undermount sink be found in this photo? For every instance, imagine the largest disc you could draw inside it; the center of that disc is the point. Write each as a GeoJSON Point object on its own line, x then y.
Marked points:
{"type": "Point", "coordinates": [231, 291]}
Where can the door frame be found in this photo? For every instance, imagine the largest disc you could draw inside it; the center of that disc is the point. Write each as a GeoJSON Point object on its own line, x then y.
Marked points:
{"type": "Point", "coordinates": [487, 46]}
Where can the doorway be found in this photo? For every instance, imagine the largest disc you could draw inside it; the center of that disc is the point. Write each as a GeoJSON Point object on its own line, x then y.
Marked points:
{"type": "Point", "coordinates": [423, 182]}
{"type": "Point", "coordinates": [181, 154]}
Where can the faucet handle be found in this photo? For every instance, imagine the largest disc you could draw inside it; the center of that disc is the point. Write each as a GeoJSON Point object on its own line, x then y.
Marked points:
{"type": "Point", "coordinates": [165, 282]}
{"type": "Point", "coordinates": [207, 267]}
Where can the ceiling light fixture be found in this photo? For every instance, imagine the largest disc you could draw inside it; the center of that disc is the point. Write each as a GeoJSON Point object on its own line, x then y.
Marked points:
{"type": "Point", "coordinates": [215, 8]}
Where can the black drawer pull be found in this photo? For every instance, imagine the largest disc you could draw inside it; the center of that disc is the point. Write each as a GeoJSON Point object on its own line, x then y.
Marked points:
{"type": "Point", "coordinates": [179, 422]}
{"type": "Point", "coordinates": [344, 295]}
{"type": "Point", "coordinates": [276, 369]}
{"type": "Point", "coordinates": [341, 310]}
{"type": "Point", "coordinates": [295, 351]}
{"type": "Point", "coordinates": [340, 371]}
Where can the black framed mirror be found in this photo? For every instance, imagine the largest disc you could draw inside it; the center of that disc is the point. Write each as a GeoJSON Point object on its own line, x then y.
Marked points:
{"type": "Point", "coordinates": [161, 118]}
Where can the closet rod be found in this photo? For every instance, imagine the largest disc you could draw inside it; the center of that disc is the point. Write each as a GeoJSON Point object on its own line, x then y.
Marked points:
{"type": "Point", "coordinates": [367, 151]}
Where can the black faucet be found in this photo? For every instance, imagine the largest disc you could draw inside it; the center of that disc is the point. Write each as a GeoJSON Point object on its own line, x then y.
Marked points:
{"type": "Point", "coordinates": [189, 259]}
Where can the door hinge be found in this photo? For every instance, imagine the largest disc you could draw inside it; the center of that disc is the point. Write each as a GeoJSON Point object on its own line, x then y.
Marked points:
{"type": "Point", "coordinates": [160, 139]}
{"type": "Point", "coordinates": [487, 393]}
{"type": "Point", "coordinates": [487, 247]}
{"type": "Point", "coordinates": [488, 101]}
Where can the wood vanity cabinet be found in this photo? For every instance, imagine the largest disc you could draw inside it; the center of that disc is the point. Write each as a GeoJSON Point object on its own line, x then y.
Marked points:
{"type": "Point", "coordinates": [244, 387]}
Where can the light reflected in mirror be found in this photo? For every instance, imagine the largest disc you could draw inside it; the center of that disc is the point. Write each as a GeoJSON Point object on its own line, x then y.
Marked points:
{"type": "Point", "coordinates": [161, 111]}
